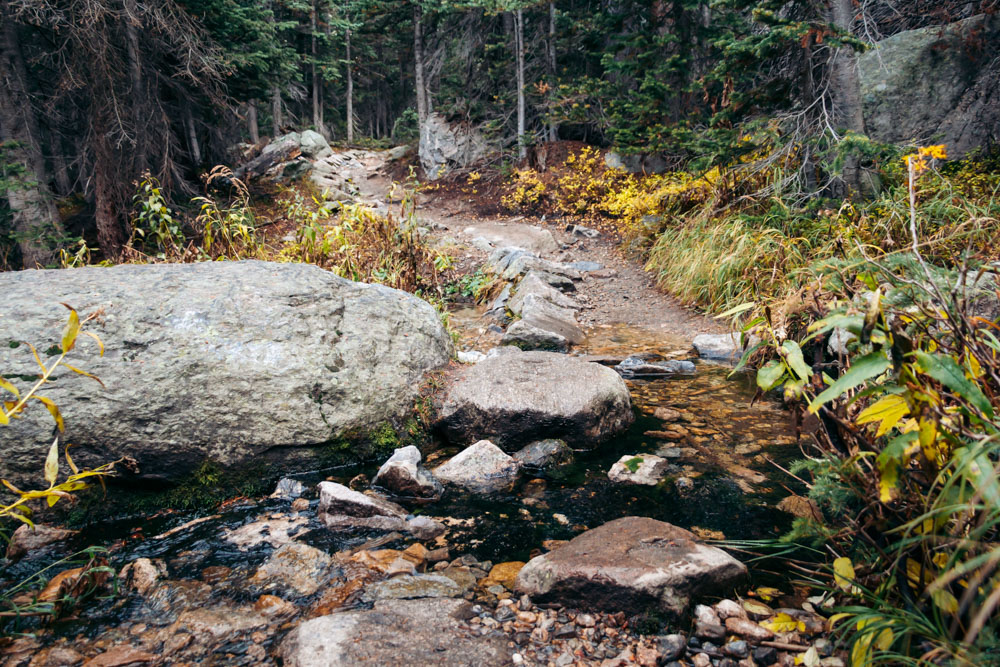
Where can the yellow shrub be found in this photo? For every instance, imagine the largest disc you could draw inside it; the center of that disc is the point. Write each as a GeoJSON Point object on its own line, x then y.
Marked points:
{"type": "Point", "coordinates": [527, 191]}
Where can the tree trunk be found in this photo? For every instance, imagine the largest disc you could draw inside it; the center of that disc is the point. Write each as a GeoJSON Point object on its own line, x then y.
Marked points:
{"type": "Point", "coordinates": [553, 127]}
{"type": "Point", "coordinates": [846, 87]}
{"type": "Point", "coordinates": [192, 134]}
{"type": "Point", "coordinates": [109, 232]}
{"type": "Point", "coordinates": [317, 104]}
{"type": "Point", "coordinates": [522, 149]}
{"type": "Point", "coordinates": [350, 91]}
{"type": "Point", "coordinates": [252, 126]}
{"type": "Point", "coordinates": [33, 214]}
{"type": "Point", "coordinates": [423, 106]}
{"type": "Point", "coordinates": [276, 112]}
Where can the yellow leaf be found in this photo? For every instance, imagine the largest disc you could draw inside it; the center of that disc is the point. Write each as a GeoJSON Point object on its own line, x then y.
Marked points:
{"type": "Point", "coordinates": [4, 419]}
{"type": "Point", "coordinates": [71, 330]}
{"type": "Point", "coordinates": [9, 387]}
{"type": "Point", "coordinates": [913, 570]}
{"type": "Point", "coordinates": [810, 658]}
{"type": "Point", "coordinates": [888, 481]}
{"type": "Point", "coordinates": [945, 601]}
{"type": "Point", "coordinates": [69, 460]}
{"type": "Point", "coordinates": [766, 593]}
{"type": "Point", "coordinates": [888, 410]}
{"type": "Point", "coordinates": [53, 410]}
{"type": "Point", "coordinates": [884, 639]}
{"type": "Point", "coordinates": [859, 652]}
{"type": "Point", "coordinates": [836, 618]}
{"type": "Point", "coordinates": [52, 463]}
{"type": "Point", "coordinates": [843, 573]}
{"type": "Point", "coordinates": [781, 623]}
{"type": "Point", "coordinates": [100, 343]}
{"type": "Point", "coordinates": [84, 373]}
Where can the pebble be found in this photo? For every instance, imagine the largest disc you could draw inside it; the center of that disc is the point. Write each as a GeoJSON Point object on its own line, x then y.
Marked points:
{"type": "Point", "coordinates": [737, 649]}
{"type": "Point", "coordinates": [585, 620]}
{"type": "Point", "coordinates": [748, 629]}
{"type": "Point", "coordinates": [765, 655]}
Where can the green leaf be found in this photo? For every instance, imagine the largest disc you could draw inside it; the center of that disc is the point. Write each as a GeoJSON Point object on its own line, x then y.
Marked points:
{"type": "Point", "coordinates": [769, 375]}
{"type": "Point", "coordinates": [863, 368]}
{"type": "Point", "coordinates": [946, 370]}
{"type": "Point", "coordinates": [792, 353]}
{"type": "Point", "coordinates": [736, 310]}
{"type": "Point", "coordinates": [52, 463]}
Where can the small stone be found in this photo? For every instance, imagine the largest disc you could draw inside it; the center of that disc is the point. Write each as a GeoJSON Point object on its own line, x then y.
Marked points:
{"type": "Point", "coordinates": [400, 566]}
{"type": "Point", "coordinates": [765, 655]}
{"type": "Point", "coordinates": [288, 489]}
{"type": "Point", "coordinates": [359, 482]}
{"type": "Point", "coordinates": [705, 614]}
{"type": "Point", "coordinates": [564, 631]}
{"type": "Point", "coordinates": [684, 484]}
{"type": "Point", "coordinates": [586, 620]}
{"type": "Point", "coordinates": [524, 603]}
{"type": "Point", "coordinates": [437, 555]}
{"type": "Point", "coordinates": [728, 609]}
{"type": "Point", "coordinates": [737, 649]}
{"type": "Point", "coordinates": [824, 647]}
{"type": "Point", "coordinates": [416, 553]}
{"type": "Point", "coordinates": [709, 631]}
{"type": "Point", "coordinates": [31, 538]}
{"type": "Point", "coordinates": [142, 574]}
{"type": "Point", "coordinates": [831, 662]}
{"type": "Point", "coordinates": [728, 662]}
{"type": "Point", "coordinates": [701, 660]}
{"type": "Point", "coordinates": [272, 605]}
{"type": "Point", "coordinates": [672, 646]}
{"type": "Point", "coordinates": [300, 505]}
{"type": "Point", "coordinates": [748, 629]}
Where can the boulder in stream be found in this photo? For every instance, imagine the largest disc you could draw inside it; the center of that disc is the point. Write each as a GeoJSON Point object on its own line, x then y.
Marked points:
{"type": "Point", "coordinates": [482, 467]}
{"type": "Point", "coordinates": [525, 336]}
{"type": "Point", "coordinates": [404, 477]}
{"type": "Point", "coordinates": [545, 454]}
{"type": "Point", "coordinates": [519, 397]}
{"type": "Point", "coordinates": [341, 508]}
{"type": "Point", "coordinates": [719, 347]}
{"type": "Point", "coordinates": [430, 631]}
{"type": "Point", "coordinates": [631, 564]}
{"type": "Point", "coordinates": [237, 363]}
{"type": "Point", "coordinates": [646, 469]}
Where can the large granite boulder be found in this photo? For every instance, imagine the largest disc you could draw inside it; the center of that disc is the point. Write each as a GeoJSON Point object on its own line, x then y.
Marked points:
{"type": "Point", "coordinates": [935, 85]}
{"type": "Point", "coordinates": [414, 632]}
{"type": "Point", "coordinates": [445, 146]}
{"type": "Point", "coordinates": [633, 564]}
{"type": "Point", "coordinates": [233, 362]}
{"type": "Point", "coordinates": [516, 398]}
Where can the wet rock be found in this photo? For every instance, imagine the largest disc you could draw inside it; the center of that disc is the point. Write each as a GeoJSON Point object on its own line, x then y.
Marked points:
{"type": "Point", "coordinates": [404, 477]}
{"type": "Point", "coordinates": [525, 336]}
{"type": "Point", "coordinates": [121, 655]}
{"type": "Point", "coordinates": [580, 230]}
{"type": "Point", "coordinates": [337, 356]}
{"type": "Point", "coordinates": [143, 574]}
{"type": "Point", "coordinates": [504, 574]}
{"type": "Point", "coordinates": [411, 587]}
{"type": "Point", "coordinates": [482, 467]}
{"type": "Point", "coordinates": [520, 397]}
{"type": "Point", "coordinates": [59, 656]}
{"type": "Point", "coordinates": [645, 469]}
{"type": "Point", "coordinates": [712, 631]}
{"type": "Point", "coordinates": [667, 414]}
{"type": "Point", "coordinates": [636, 366]}
{"type": "Point", "coordinates": [544, 454]}
{"type": "Point", "coordinates": [534, 285]}
{"type": "Point", "coordinates": [719, 347]}
{"type": "Point", "coordinates": [729, 608]}
{"type": "Point", "coordinates": [630, 564]}
{"type": "Point", "coordinates": [219, 622]}
{"type": "Point", "coordinates": [765, 655]}
{"type": "Point", "coordinates": [736, 649]}
{"type": "Point", "coordinates": [545, 315]}
{"type": "Point", "coordinates": [706, 615]}
{"type": "Point", "coordinates": [288, 489]}
{"type": "Point", "coordinates": [274, 531]}
{"type": "Point", "coordinates": [684, 484]}
{"type": "Point", "coordinates": [337, 499]}
{"type": "Point", "coordinates": [27, 539]}
{"type": "Point", "coordinates": [432, 632]}
{"type": "Point", "coordinates": [300, 505]}
{"type": "Point", "coordinates": [512, 235]}
{"type": "Point", "coordinates": [297, 566]}
{"type": "Point", "coordinates": [274, 606]}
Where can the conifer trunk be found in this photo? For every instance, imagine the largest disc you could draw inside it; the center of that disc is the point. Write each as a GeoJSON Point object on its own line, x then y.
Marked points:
{"type": "Point", "coordinates": [553, 127]}
{"type": "Point", "coordinates": [252, 126]}
{"type": "Point", "coordinates": [846, 88]}
{"type": "Point", "coordinates": [350, 90]}
{"type": "Point", "coordinates": [276, 112]}
{"type": "Point", "coordinates": [522, 149]}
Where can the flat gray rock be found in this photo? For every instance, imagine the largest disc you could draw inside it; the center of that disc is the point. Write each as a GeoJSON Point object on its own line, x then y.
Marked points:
{"type": "Point", "coordinates": [525, 336]}
{"type": "Point", "coordinates": [519, 397]}
{"type": "Point", "coordinates": [230, 362]}
{"type": "Point", "coordinates": [512, 235]}
{"type": "Point", "coordinates": [395, 632]}
{"type": "Point", "coordinates": [545, 315]}
{"type": "Point", "coordinates": [533, 284]}
{"type": "Point", "coordinates": [412, 587]}
{"type": "Point", "coordinates": [718, 347]}
{"type": "Point", "coordinates": [632, 564]}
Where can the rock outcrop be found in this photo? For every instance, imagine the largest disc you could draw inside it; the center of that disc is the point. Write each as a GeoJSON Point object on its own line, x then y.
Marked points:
{"type": "Point", "coordinates": [632, 564]}
{"type": "Point", "coordinates": [224, 361]}
{"type": "Point", "coordinates": [445, 146]}
{"type": "Point", "coordinates": [519, 397]}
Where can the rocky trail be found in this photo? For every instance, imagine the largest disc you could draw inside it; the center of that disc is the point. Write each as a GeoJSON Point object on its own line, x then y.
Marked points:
{"type": "Point", "coordinates": [588, 453]}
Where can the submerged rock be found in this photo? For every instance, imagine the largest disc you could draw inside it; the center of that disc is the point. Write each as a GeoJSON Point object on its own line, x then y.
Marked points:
{"type": "Point", "coordinates": [288, 489]}
{"type": "Point", "coordinates": [519, 397]}
{"type": "Point", "coordinates": [644, 469]}
{"type": "Point", "coordinates": [297, 566]}
{"type": "Point", "coordinates": [28, 539]}
{"type": "Point", "coordinates": [631, 564]}
{"type": "Point", "coordinates": [482, 467]}
{"type": "Point", "coordinates": [403, 476]}
{"type": "Point", "coordinates": [427, 632]}
{"type": "Point", "coordinates": [233, 362]}
{"type": "Point", "coordinates": [411, 587]}
{"type": "Point", "coordinates": [545, 454]}
{"type": "Point", "coordinates": [635, 366]}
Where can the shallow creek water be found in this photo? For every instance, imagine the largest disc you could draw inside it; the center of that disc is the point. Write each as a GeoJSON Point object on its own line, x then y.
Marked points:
{"type": "Point", "coordinates": [727, 452]}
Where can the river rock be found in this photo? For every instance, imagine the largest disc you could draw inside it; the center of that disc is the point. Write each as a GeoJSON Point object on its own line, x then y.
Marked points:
{"type": "Point", "coordinates": [519, 397]}
{"type": "Point", "coordinates": [288, 488]}
{"type": "Point", "coordinates": [426, 632]}
{"type": "Point", "coordinates": [545, 454]}
{"type": "Point", "coordinates": [411, 587]}
{"type": "Point", "coordinates": [719, 347]}
{"type": "Point", "coordinates": [525, 336]}
{"type": "Point", "coordinates": [534, 285]}
{"type": "Point", "coordinates": [648, 469]}
{"type": "Point", "coordinates": [342, 508]}
{"type": "Point", "coordinates": [630, 564]}
{"type": "Point", "coordinates": [233, 362]}
{"type": "Point", "coordinates": [297, 566]}
{"type": "Point", "coordinates": [403, 476]}
{"type": "Point", "coordinates": [445, 146]}
{"type": "Point", "coordinates": [482, 467]}
{"type": "Point", "coordinates": [636, 366]}
{"type": "Point", "coordinates": [28, 539]}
